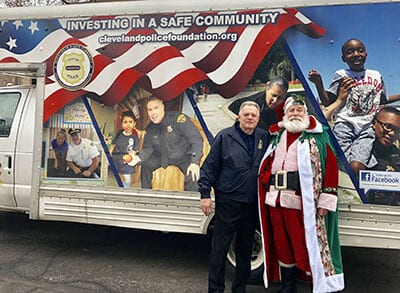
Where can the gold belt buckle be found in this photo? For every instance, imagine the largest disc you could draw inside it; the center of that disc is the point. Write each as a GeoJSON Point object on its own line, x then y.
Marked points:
{"type": "Point", "coordinates": [281, 180]}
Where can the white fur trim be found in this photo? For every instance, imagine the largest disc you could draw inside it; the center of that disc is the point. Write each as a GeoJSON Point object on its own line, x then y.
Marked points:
{"type": "Point", "coordinates": [281, 264]}
{"type": "Point", "coordinates": [269, 150]}
{"type": "Point", "coordinates": [290, 200]}
{"type": "Point", "coordinates": [327, 201]}
{"type": "Point", "coordinates": [321, 283]}
{"type": "Point", "coordinates": [306, 182]}
{"type": "Point", "coordinates": [334, 283]}
{"type": "Point", "coordinates": [270, 197]}
{"type": "Point", "coordinates": [318, 126]}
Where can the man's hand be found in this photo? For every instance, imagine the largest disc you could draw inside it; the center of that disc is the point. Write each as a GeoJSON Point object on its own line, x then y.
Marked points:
{"type": "Point", "coordinates": [135, 160]}
{"type": "Point", "coordinates": [206, 206]}
{"type": "Point", "coordinates": [315, 77]}
{"type": "Point", "coordinates": [194, 170]}
{"type": "Point", "coordinates": [346, 85]}
{"type": "Point", "coordinates": [76, 170]}
{"type": "Point", "coordinates": [322, 212]}
{"type": "Point", "coordinates": [87, 173]}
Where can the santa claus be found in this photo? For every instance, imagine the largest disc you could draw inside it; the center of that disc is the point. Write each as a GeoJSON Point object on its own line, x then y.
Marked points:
{"type": "Point", "coordinates": [297, 183]}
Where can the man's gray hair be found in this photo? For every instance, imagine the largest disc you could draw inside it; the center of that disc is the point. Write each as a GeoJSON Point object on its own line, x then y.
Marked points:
{"type": "Point", "coordinates": [279, 81]}
{"type": "Point", "coordinates": [249, 103]}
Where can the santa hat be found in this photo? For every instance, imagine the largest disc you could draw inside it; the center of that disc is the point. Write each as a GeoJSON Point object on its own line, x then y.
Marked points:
{"type": "Point", "coordinates": [294, 100]}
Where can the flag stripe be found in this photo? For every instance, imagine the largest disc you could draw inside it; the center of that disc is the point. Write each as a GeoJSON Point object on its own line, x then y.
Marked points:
{"type": "Point", "coordinates": [155, 60]}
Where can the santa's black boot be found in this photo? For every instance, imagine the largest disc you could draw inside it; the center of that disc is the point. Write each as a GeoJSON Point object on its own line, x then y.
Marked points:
{"type": "Point", "coordinates": [288, 280]}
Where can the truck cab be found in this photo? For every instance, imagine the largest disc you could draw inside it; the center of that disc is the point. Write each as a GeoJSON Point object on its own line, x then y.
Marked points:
{"type": "Point", "coordinates": [18, 113]}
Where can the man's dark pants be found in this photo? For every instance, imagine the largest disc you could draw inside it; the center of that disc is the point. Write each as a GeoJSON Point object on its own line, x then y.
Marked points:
{"type": "Point", "coordinates": [230, 217]}
{"type": "Point", "coordinates": [70, 174]}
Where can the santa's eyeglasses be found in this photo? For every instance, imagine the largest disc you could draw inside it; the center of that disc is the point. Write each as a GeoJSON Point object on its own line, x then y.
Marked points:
{"type": "Point", "coordinates": [388, 127]}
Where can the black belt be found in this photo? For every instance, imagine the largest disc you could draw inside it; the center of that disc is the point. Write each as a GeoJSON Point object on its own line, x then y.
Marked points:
{"type": "Point", "coordinates": [282, 180]}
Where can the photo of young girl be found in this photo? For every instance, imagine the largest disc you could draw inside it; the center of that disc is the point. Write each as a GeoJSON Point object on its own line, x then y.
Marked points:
{"type": "Point", "coordinates": [124, 146]}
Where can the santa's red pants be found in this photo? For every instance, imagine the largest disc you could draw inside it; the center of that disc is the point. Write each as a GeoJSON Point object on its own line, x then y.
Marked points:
{"type": "Point", "coordinates": [289, 237]}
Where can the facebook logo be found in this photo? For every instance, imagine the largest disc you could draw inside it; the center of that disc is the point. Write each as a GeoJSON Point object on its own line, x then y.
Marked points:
{"type": "Point", "coordinates": [365, 176]}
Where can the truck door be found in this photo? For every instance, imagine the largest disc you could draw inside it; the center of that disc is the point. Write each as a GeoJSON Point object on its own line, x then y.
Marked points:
{"type": "Point", "coordinates": [11, 106]}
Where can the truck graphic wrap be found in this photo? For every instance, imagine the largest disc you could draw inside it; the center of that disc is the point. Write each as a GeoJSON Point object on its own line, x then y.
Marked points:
{"type": "Point", "coordinates": [108, 58]}
{"type": "Point", "coordinates": [107, 117]}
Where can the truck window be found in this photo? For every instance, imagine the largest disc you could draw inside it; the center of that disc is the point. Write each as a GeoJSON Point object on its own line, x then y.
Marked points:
{"type": "Point", "coordinates": [8, 106]}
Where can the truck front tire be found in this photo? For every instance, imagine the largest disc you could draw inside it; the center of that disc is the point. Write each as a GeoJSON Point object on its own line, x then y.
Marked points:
{"type": "Point", "coordinates": [257, 260]}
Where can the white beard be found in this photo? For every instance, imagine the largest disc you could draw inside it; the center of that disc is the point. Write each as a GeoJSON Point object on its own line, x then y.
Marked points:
{"type": "Point", "coordinates": [295, 126]}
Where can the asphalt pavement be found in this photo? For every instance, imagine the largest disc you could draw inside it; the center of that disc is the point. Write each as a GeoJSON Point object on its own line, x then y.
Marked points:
{"type": "Point", "coordinates": [38, 256]}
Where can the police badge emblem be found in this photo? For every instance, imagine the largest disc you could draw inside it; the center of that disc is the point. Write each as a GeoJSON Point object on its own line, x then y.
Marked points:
{"type": "Point", "coordinates": [73, 67]}
{"type": "Point", "coordinates": [181, 118]}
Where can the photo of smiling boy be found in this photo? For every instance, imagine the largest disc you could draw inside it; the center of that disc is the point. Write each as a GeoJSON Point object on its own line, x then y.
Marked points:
{"type": "Point", "coordinates": [364, 92]}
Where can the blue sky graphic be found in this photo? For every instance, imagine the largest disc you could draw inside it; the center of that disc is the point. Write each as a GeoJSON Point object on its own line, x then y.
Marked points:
{"type": "Point", "coordinates": [377, 25]}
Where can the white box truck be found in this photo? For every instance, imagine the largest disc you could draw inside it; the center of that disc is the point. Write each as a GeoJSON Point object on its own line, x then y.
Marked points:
{"type": "Point", "coordinates": [80, 67]}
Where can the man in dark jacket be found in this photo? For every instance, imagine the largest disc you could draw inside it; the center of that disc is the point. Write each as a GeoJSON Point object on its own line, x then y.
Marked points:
{"type": "Point", "coordinates": [171, 139]}
{"type": "Point", "coordinates": [231, 169]}
{"type": "Point", "coordinates": [270, 101]}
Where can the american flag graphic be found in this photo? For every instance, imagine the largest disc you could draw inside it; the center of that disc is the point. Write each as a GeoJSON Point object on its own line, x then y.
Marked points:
{"type": "Point", "coordinates": [165, 69]}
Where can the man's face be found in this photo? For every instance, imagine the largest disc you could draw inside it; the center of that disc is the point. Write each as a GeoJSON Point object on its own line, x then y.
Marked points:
{"type": "Point", "coordinates": [274, 96]}
{"type": "Point", "coordinates": [76, 138]}
{"type": "Point", "coordinates": [248, 118]}
{"type": "Point", "coordinates": [155, 110]}
{"type": "Point", "coordinates": [355, 55]}
{"type": "Point", "coordinates": [387, 128]}
{"type": "Point", "coordinates": [296, 119]}
{"type": "Point", "coordinates": [296, 113]}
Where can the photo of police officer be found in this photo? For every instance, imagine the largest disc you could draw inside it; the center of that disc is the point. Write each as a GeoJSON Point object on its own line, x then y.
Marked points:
{"type": "Point", "coordinates": [82, 156]}
{"type": "Point", "coordinates": [171, 139]}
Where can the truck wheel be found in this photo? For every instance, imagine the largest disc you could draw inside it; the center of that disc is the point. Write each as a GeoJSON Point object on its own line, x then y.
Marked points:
{"type": "Point", "coordinates": [257, 260]}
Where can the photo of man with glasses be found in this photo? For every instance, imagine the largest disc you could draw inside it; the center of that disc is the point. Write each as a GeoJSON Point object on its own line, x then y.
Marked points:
{"type": "Point", "coordinates": [386, 125]}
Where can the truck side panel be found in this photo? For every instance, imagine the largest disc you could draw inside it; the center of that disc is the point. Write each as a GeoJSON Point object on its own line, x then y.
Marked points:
{"type": "Point", "coordinates": [162, 211]}
{"type": "Point", "coordinates": [369, 226]}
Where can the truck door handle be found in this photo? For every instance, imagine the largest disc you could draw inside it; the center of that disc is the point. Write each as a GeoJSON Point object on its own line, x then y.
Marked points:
{"type": "Point", "coordinates": [9, 162]}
